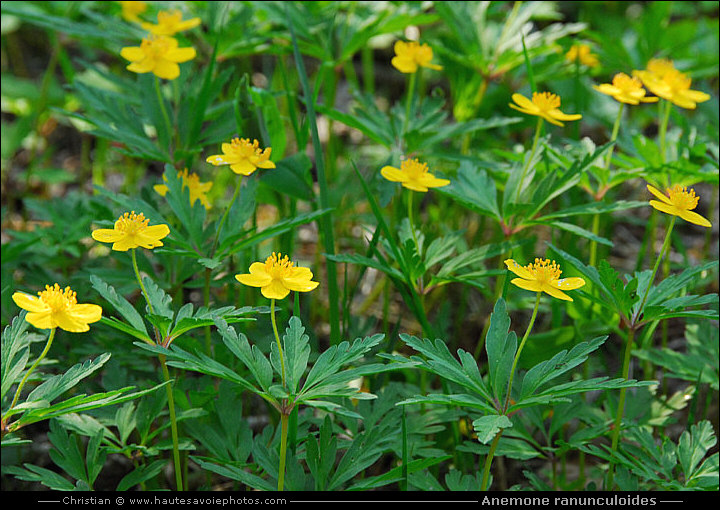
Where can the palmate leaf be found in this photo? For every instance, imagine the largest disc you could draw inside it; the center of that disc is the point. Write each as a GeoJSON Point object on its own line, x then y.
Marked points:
{"type": "Point", "coordinates": [326, 378]}
{"type": "Point", "coordinates": [501, 346]}
{"type": "Point", "coordinates": [120, 304]}
{"type": "Point", "coordinates": [78, 404]}
{"type": "Point", "coordinates": [487, 427]}
{"type": "Point", "coordinates": [440, 361]}
{"type": "Point", "coordinates": [59, 384]}
{"type": "Point", "coordinates": [15, 351]}
{"type": "Point", "coordinates": [475, 189]}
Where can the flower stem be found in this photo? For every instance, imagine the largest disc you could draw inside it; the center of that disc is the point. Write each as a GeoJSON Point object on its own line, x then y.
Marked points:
{"type": "Point", "coordinates": [412, 225]}
{"type": "Point", "coordinates": [613, 136]}
{"type": "Point", "coordinates": [283, 449]}
{"type": "Point", "coordinates": [488, 460]}
{"type": "Point", "coordinates": [620, 409]}
{"type": "Point", "coordinates": [166, 118]}
{"type": "Point", "coordinates": [665, 109]}
{"type": "Point", "coordinates": [224, 217]}
{"type": "Point", "coordinates": [32, 368]}
{"type": "Point", "coordinates": [526, 166]}
{"type": "Point", "coordinates": [277, 340]}
{"type": "Point", "coordinates": [665, 247]}
{"type": "Point", "coordinates": [522, 344]}
{"type": "Point", "coordinates": [137, 275]}
{"type": "Point", "coordinates": [408, 101]}
{"type": "Point", "coordinates": [173, 424]}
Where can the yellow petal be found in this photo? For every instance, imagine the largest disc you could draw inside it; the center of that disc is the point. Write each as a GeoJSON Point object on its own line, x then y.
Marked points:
{"type": "Point", "coordinates": [393, 174]}
{"type": "Point", "coordinates": [659, 194]}
{"type": "Point", "coordinates": [29, 303]}
{"type": "Point", "coordinates": [532, 285]}
{"type": "Point", "coordinates": [126, 243]}
{"type": "Point", "coordinates": [519, 270]}
{"type": "Point", "coordinates": [132, 53]}
{"type": "Point", "coordinates": [275, 290]}
{"type": "Point", "coordinates": [254, 280]}
{"type": "Point", "coordinates": [524, 102]}
{"type": "Point", "coordinates": [556, 293]}
{"type": "Point", "coordinates": [299, 284]}
{"type": "Point", "coordinates": [161, 189]}
{"type": "Point", "coordinates": [243, 167]}
{"type": "Point", "coordinates": [107, 235]}
{"type": "Point", "coordinates": [181, 54]}
{"type": "Point", "coordinates": [666, 208]}
{"type": "Point", "coordinates": [69, 323]}
{"type": "Point", "coordinates": [86, 312]}
{"type": "Point", "coordinates": [166, 70]}
{"type": "Point", "coordinates": [404, 64]}
{"type": "Point", "coordinates": [695, 218]}
{"type": "Point", "coordinates": [569, 283]}
{"type": "Point", "coordinates": [430, 181]}
{"type": "Point", "coordinates": [41, 320]}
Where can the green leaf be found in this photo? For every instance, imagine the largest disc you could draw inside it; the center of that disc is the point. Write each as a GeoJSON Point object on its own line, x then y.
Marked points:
{"type": "Point", "coordinates": [501, 345]}
{"type": "Point", "coordinates": [693, 446]}
{"type": "Point", "coordinates": [59, 384]}
{"type": "Point", "coordinates": [475, 189]}
{"type": "Point", "coordinates": [15, 351]}
{"type": "Point", "coordinates": [141, 474]}
{"type": "Point", "coordinates": [120, 304]}
{"type": "Point", "coordinates": [487, 427]}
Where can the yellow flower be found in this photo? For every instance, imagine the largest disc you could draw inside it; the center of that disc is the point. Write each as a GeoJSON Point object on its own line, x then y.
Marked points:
{"type": "Point", "coordinates": [626, 90]}
{"type": "Point", "coordinates": [191, 181]}
{"type": "Point", "coordinates": [57, 308]}
{"type": "Point", "coordinates": [242, 156]}
{"type": "Point", "coordinates": [132, 10]}
{"type": "Point", "coordinates": [545, 105]}
{"type": "Point", "coordinates": [159, 55]}
{"type": "Point", "coordinates": [132, 231]}
{"type": "Point", "coordinates": [582, 53]}
{"type": "Point", "coordinates": [662, 79]}
{"type": "Point", "coordinates": [413, 175]}
{"type": "Point", "coordinates": [543, 276]}
{"type": "Point", "coordinates": [170, 23]}
{"type": "Point", "coordinates": [679, 202]}
{"type": "Point", "coordinates": [410, 55]}
{"type": "Point", "coordinates": [277, 276]}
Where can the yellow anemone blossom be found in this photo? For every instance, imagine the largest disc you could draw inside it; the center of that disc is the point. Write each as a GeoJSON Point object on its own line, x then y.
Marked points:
{"type": "Point", "coordinates": [413, 175]}
{"type": "Point", "coordinates": [277, 276]}
{"type": "Point", "coordinates": [132, 231]}
{"type": "Point", "coordinates": [57, 308]}
{"type": "Point", "coordinates": [543, 276]}
{"type": "Point", "coordinates": [170, 23]}
{"type": "Point", "coordinates": [545, 105]}
{"type": "Point", "coordinates": [679, 202]}
{"type": "Point", "coordinates": [159, 55]}
{"type": "Point", "coordinates": [242, 156]}
{"type": "Point", "coordinates": [131, 10]}
{"type": "Point", "coordinates": [583, 54]}
{"type": "Point", "coordinates": [411, 55]}
{"type": "Point", "coordinates": [625, 89]}
{"type": "Point", "coordinates": [191, 181]}
{"type": "Point", "coordinates": [662, 79]}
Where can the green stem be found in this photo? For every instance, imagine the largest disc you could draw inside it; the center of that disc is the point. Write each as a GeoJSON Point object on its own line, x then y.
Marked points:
{"type": "Point", "coordinates": [667, 106]}
{"type": "Point", "coordinates": [526, 166]}
{"type": "Point", "coordinates": [620, 409]}
{"type": "Point", "coordinates": [173, 424]}
{"type": "Point", "coordinates": [283, 449]}
{"type": "Point", "coordinates": [665, 247]}
{"type": "Point", "coordinates": [163, 110]}
{"type": "Point", "coordinates": [488, 460]}
{"type": "Point", "coordinates": [32, 368]}
{"type": "Point", "coordinates": [522, 344]}
{"type": "Point", "coordinates": [277, 339]}
{"type": "Point", "coordinates": [224, 217]}
{"type": "Point", "coordinates": [408, 101]}
{"type": "Point", "coordinates": [412, 225]}
{"type": "Point", "coordinates": [137, 275]}
{"type": "Point", "coordinates": [613, 136]}
{"type": "Point", "coordinates": [593, 243]}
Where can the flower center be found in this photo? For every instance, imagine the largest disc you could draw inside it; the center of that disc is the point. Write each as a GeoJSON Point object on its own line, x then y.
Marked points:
{"type": "Point", "coordinates": [660, 66]}
{"type": "Point", "coordinates": [244, 148]}
{"type": "Point", "coordinates": [278, 266]}
{"type": "Point", "coordinates": [546, 101]}
{"type": "Point", "coordinates": [132, 223]}
{"type": "Point", "coordinates": [155, 47]}
{"type": "Point", "coordinates": [169, 19]}
{"type": "Point", "coordinates": [57, 298]}
{"type": "Point", "coordinates": [626, 83]}
{"type": "Point", "coordinates": [544, 270]}
{"type": "Point", "coordinates": [677, 80]}
{"type": "Point", "coordinates": [682, 198]}
{"type": "Point", "coordinates": [413, 167]}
